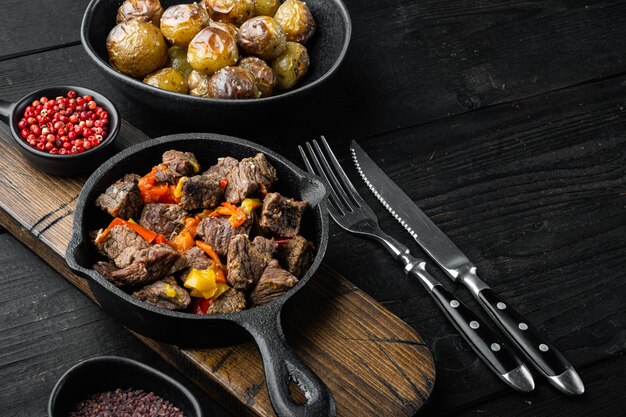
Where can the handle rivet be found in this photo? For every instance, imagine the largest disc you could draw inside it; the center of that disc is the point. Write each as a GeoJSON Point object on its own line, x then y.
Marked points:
{"type": "Point", "coordinates": [501, 305]}
{"type": "Point", "coordinates": [543, 348]}
{"type": "Point", "coordinates": [495, 347]}
{"type": "Point", "coordinates": [523, 326]}
{"type": "Point", "coordinates": [454, 304]}
{"type": "Point", "coordinates": [474, 324]}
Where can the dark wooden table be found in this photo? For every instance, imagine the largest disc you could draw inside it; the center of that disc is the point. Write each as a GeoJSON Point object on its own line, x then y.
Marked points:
{"type": "Point", "coordinates": [504, 120]}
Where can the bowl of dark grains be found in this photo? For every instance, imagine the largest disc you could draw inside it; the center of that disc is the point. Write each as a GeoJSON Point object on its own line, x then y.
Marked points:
{"type": "Point", "coordinates": [111, 386]}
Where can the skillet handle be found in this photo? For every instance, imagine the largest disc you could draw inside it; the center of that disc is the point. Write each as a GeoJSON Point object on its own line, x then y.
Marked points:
{"type": "Point", "coordinates": [282, 365]}
{"type": "Point", "coordinates": [6, 109]}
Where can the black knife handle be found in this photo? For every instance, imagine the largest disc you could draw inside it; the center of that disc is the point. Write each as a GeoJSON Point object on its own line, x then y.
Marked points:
{"type": "Point", "coordinates": [537, 349]}
{"type": "Point", "coordinates": [481, 338]}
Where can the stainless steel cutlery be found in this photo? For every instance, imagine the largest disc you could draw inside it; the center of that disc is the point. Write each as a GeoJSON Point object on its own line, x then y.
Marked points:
{"type": "Point", "coordinates": [539, 352]}
{"type": "Point", "coordinates": [350, 212]}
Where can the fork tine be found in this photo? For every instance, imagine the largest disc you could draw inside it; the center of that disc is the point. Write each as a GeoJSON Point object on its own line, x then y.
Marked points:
{"type": "Point", "coordinates": [307, 163]}
{"type": "Point", "coordinates": [333, 177]}
{"type": "Point", "coordinates": [331, 207]}
{"type": "Point", "coordinates": [342, 175]}
{"type": "Point", "coordinates": [311, 170]}
{"type": "Point", "coordinates": [338, 205]}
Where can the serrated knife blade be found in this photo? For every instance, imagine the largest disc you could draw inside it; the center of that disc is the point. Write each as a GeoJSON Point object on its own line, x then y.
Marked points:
{"type": "Point", "coordinates": [434, 242]}
{"type": "Point", "coordinates": [525, 337]}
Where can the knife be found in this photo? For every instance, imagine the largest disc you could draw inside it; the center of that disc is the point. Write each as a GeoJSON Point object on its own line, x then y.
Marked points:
{"type": "Point", "coordinates": [541, 353]}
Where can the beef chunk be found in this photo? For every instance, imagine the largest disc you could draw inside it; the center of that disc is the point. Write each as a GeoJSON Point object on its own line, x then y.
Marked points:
{"type": "Point", "coordinates": [165, 174]}
{"type": "Point", "coordinates": [201, 192]}
{"type": "Point", "coordinates": [164, 293]}
{"type": "Point", "coordinates": [196, 258]}
{"type": "Point", "coordinates": [265, 246]}
{"type": "Point", "coordinates": [273, 283]}
{"type": "Point", "coordinates": [296, 255]}
{"type": "Point", "coordinates": [163, 218]}
{"type": "Point", "coordinates": [245, 264]}
{"type": "Point", "coordinates": [185, 163]}
{"type": "Point", "coordinates": [160, 259]}
{"type": "Point", "coordinates": [134, 260]}
{"type": "Point", "coordinates": [250, 175]}
{"type": "Point", "coordinates": [123, 246]}
{"type": "Point", "coordinates": [223, 167]}
{"type": "Point", "coordinates": [230, 301]}
{"type": "Point", "coordinates": [280, 216]}
{"type": "Point", "coordinates": [131, 275]}
{"type": "Point", "coordinates": [176, 164]}
{"type": "Point", "coordinates": [122, 199]}
{"type": "Point", "coordinates": [217, 232]}
{"type": "Point", "coordinates": [105, 268]}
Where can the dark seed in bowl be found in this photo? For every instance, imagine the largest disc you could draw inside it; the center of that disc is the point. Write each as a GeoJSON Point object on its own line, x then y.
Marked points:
{"type": "Point", "coordinates": [122, 403]}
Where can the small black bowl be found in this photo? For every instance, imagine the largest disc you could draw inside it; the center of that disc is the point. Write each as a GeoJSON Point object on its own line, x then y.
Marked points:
{"type": "Point", "coordinates": [327, 49]}
{"type": "Point", "coordinates": [108, 373]}
{"type": "Point", "coordinates": [65, 165]}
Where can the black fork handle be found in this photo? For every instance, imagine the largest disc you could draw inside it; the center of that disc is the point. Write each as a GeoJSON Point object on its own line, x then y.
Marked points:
{"type": "Point", "coordinates": [499, 357]}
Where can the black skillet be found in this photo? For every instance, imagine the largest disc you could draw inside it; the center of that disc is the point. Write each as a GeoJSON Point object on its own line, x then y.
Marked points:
{"type": "Point", "coordinates": [184, 329]}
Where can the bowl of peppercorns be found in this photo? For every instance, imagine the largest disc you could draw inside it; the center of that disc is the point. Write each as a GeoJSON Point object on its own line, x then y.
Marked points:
{"type": "Point", "coordinates": [63, 130]}
{"type": "Point", "coordinates": [116, 386]}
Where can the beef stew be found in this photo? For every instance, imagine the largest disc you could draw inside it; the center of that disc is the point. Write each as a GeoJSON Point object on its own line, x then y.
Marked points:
{"type": "Point", "coordinates": [209, 242]}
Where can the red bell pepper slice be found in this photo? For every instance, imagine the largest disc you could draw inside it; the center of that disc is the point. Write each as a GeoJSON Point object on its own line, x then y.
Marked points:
{"type": "Point", "coordinates": [202, 305]}
{"type": "Point", "coordinates": [147, 234]}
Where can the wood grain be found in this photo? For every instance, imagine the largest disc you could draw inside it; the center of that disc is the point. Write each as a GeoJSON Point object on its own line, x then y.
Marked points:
{"type": "Point", "coordinates": [371, 361]}
{"type": "Point", "coordinates": [408, 63]}
{"type": "Point", "coordinates": [23, 28]}
{"type": "Point", "coordinates": [604, 397]}
{"type": "Point", "coordinates": [48, 326]}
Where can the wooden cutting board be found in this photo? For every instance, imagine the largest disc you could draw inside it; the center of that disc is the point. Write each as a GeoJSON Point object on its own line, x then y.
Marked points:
{"type": "Point", "coordinates": [374, 364]}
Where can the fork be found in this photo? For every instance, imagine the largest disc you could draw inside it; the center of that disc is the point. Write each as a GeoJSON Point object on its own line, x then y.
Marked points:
{"type": "Point", "coordinates": [348, 209]}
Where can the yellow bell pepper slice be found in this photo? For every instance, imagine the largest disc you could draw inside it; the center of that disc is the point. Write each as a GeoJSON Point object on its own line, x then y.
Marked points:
{"type": "Point", "coordinates": [203, 283]}
{"type": "Point", "coordinates": [178, 191]}
{"type": "Point", "coordinates": [196, 166]}
{"type": "Point", "coordinates": [249, 204]}
{"type": "Point", "coordinates": [170, 291]}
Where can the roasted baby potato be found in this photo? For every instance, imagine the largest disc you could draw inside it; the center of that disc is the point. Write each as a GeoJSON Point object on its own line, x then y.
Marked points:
{"type": "Point", "coordinates": [262, 36]}
{"type": "Point", "coordinates": [147, 10]}
{"type": "Point", "coordinates": [228, 27]}
{"type": "Point", "coordinates": [178, 60]}
{"type": "Point", "coordinates": [209, 35]}
{"type": "Point", "coordinates": [180, 23]}
{"type": "Point", "coordinates": [264, 78]}
{"type": "Point", "coordinates": [232, 83]}
{"type": "Point", "coordinates": [265, 7]}
{"type": "Point", "coordinates": [198, 84]}
{"type": "Point", "coordinates": [212, 49]}
{"type": "Point", "coordinates": [136, 48]}
{"type": "Point", "coordinates": [291, 65]}
{"type": "Point", "coordinates": [168, 79]}
{"type": "Point", "coordinates": [296, 19]}
{"type": "Point", "coordinates": [230, 11]}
